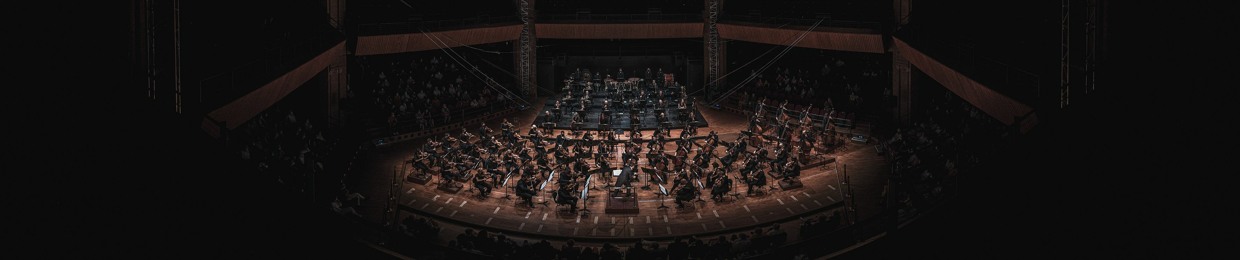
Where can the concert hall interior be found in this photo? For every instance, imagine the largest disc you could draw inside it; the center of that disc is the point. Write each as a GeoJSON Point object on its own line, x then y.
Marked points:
{"type": "Point", "coordinates": [566, 129]}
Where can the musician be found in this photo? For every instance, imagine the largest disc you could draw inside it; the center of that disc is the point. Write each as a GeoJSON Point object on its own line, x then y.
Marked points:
{"type": "Point", "coordinates": [577, 121]}
{"type": "Point", "coordinates": [505, 127]}
{"type": "Point", "coordinates": [611, 140]}
{"type": "Point", "coordinates": [449, 174]}
{"type": "Point", "coordinates": [629, 150]}
{"type": "Point", "coordinates": [703, 160]}
{"type": "Point", "coordinates": [550, 118]}
{"type": "Point", "coordinates": [566, 176]}
{"type": "Point", "coordinates": [566, 195]}
{"type": "Point", "coordinates": [724, 185]}
{"type": "Point", "coordinates": [634, 122]}
{"type": "Point", "coordinates": [757, 179]}
{"type": "Point", "coordinates": [535, 135]}
{"type": "Point", "coordinates": [560, 139]}
{"type": "Point", "coordinates": [526, 192]}
{"type": "Point", "coordinates": [604, 118]}
{"type": "Point", "coordinates": [783, 110]}
{"type": "Point", "coordinates": [678, 180]}
{"type": "Point", "coordinates": [781, 156]}
{"type": "Point", "coordinates": [686, 193]}
{"type": "Point", "coordinates": [483, 185]}
{"type": "Point", "coordinates": [750, 165]}
{"type": "Point", "coordinates": [466, 135]}
{"type": "Point", "coordinates": [791, 170]}
{"type": "Point", "coordinates": [755, 125]}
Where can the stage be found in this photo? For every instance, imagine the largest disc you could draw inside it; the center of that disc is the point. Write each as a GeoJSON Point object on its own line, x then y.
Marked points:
{"type": "Point", "coordinates": [739, 212]}
{"type": "Point", "coordinates": [626, 103]}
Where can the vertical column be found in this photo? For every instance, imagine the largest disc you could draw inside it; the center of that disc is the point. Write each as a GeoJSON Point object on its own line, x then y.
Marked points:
{"type": "Point", "coordinates": [901, 11]}
{"type": "Point", "coordinates": [1091, 44]}
{"type": "Point", "coordinates": [337, 82]}
{"type": "Point", "coordinates": [526, 51]}
{"type": "Point", "coordinates": [335, 13]}
{"type": "Point", "coordinates": [176, 53]}
{"type": "Point", "coordinates": [149, 46]}
{"type": "Point", "coordinates": [1064, 65]}
{"type": "Point", "coordinates": [902, 88]}
{"type": "Point", "coordinates": [712, 49]}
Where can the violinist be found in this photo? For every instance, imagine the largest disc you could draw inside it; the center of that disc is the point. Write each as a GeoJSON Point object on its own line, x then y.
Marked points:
{"type": "Point", "coordinates": [526, 192]}
{"type": "Point", "coordinates": [686, 193]}
{"type": "Point", "coordinates": [483, 185]}
{"type": "Point", "coordinates": [723, 186]}
{"type": "Point", "coordinates": [757, 179]}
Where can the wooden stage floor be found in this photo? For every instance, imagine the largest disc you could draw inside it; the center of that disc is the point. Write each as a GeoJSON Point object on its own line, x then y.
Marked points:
{"type": "Point", "coordinates": [822, 192]}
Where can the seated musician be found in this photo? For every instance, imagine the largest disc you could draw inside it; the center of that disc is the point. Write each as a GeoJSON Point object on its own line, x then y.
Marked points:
{"type": "Point", "coordinates": [549, 118]}
{"type": "Point", "coordinates": [420, 162]}
{"type": "Point", "coordinates": [603, 119]}
{"type": "Point", "coordinates": [505, 125]}
{"type": "Point", "coordinates": [723, 186]}
{"type": "Point", "coordinates": [566, 177]}
{"type": "Point", "coordinates": [686, 193]}
{"type": "Point", "coordinates": [791, 170]}
{"type": "Point", "coordinates": [526, 192]}
{"type": "Point", "coordinates": [757, 179]}
{"type": "Point", "coordinates": [611, 140]}
{"type": "Point", "coordinates": [576, 121]}
{"type": "Point", "coordinates": [483, 186]}
{"type": "Point", "coordinates": [535, 135]}
{"type": "Point", "coordinates": [449, 174]}
{"type": "Point", "coordinates": [781, 156]}
{"type": "Point", "coordinates": [750, 165]}
{"type": "Point", "coordinates": [560, 139]}
{"type": "Point", "coordinates": [566, 195]}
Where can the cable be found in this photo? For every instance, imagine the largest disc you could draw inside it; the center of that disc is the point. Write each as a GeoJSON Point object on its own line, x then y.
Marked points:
{"type": "Point", "coordinates": [473, 71]}
{"type": "Point", "coordinates": [768, 64]}
{"type": "Point", "coordinates": [768, 51]}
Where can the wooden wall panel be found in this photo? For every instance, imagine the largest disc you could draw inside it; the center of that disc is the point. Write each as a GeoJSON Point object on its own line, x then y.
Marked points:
{"type": "Point", "coordinates": [619, 31]}
{"type": "Point", "coordinates": [993, 103]}
{"type": "Point", "coordinates": [246, 107]}
{"type": "Point", "coordinates": [840, 41]}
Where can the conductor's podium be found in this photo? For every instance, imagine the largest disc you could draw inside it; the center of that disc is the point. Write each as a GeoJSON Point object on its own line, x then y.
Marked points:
{"type": "Point", "coordinates": [621, 200]}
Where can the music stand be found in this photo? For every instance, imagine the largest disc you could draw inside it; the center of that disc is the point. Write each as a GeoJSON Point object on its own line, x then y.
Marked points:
{"type": "Point", "coordinates": [585, 195]}
{"type": "Point", "coordinates": [544, 185]}
{"type": "Point", "coordinates": [700, 189]}
{"type": "Point", "coordinates": [646, 183]}
{"type": "Point", "coordinates": [662, 192]}
{"type": "Point", "coordinates": [507, 195]}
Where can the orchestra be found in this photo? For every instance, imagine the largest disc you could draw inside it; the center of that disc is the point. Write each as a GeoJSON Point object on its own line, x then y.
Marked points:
{"type": "Point", "coordinates": [536, 159]}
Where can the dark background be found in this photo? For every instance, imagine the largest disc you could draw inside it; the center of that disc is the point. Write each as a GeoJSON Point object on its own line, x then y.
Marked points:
{"type": "Point", "coordinates": [91, 171]}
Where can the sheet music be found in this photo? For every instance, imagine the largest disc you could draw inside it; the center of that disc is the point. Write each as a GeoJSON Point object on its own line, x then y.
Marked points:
{"type": "Point", "coordinates": [544, 184]}
{"type": "Point", "coordinates": [585, 190]}
{"type": "Point", "coordinates": [662, 189]}
{"type": "Point", "coordinates": [506, 177]}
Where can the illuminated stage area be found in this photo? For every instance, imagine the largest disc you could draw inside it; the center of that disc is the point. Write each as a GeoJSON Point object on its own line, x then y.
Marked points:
{"type": "Point", "coordinates": [603, 213]}
{"type": "Point", "coordinates": [590, 101]}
